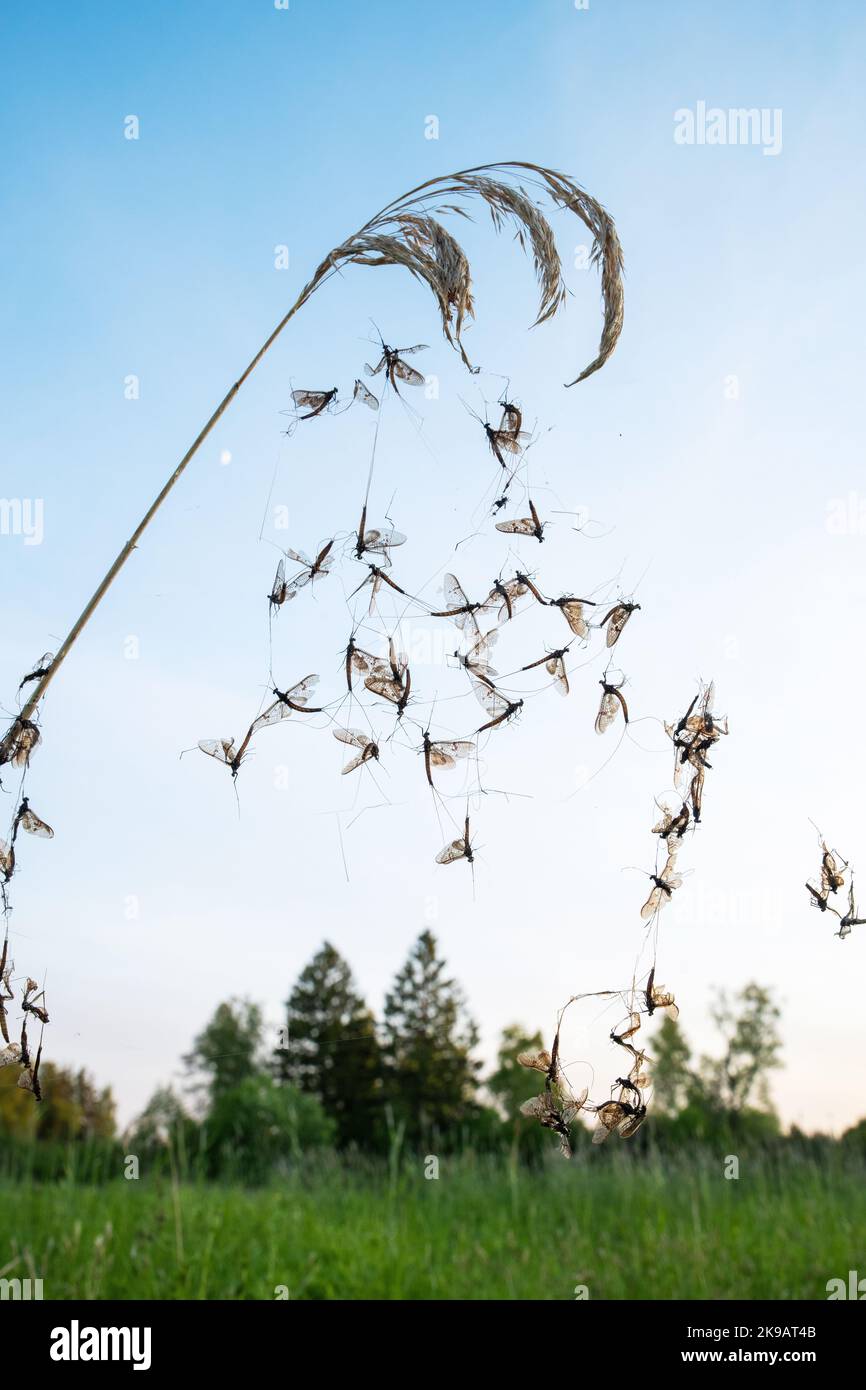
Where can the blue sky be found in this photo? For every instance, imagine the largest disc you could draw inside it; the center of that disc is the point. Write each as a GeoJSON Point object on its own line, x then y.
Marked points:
{"type": "Point", "coordinates": [155, 258]}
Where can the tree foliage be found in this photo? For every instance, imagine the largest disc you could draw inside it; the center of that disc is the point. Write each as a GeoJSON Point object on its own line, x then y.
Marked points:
{"type": "Point", "coordinates": [429, 1039]}
{"type": "Point", "coordinates": [330, 1048]}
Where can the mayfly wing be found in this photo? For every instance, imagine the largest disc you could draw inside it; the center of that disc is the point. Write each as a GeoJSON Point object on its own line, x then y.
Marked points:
{"type": "Point", "coordinates": [223, 749]}
{"type": "Point", "coordinates": [356, 737]}
{"type": "Point", "coordinates": [279, 592]}
{"type": "Point", "coordinates": [30, 822]}
{"type": "Point", "coordinates": [489, 697]}
{"type": "Point", "coordinates": [458, 606]}
{"type": "Point", "coordinates": [607, 710]}
{"type": "Point", "coordinates": [538, 1061]}
{"type": "Point", "coordinates": [525, 526]}
{"type": "Point", "coordinates": [300, 557]}
{"type": "Point", "coordinates": [386, 686]}
{"type": "Point", "coordinates": [652, 904]}
{"type": "Point", "coordinates": [410, 351]}
{"type": "Point", "coordinates": [366, 397]}
{"type": "Point", "coordinates": [374, 371]}
{"type": "Point", "coordinates": [555, 667]}
{"type": "Point", "coordinates": [299, 694]}
{"type": "Point", "coordinates": [445, 752]}
{"type": "Point", "coordinates": [274, 714]}
{"type": "Point", "coordinates": [448, 855]}
{"type": "Point", "coordinates": [407, 373]}
{"type": "Point", "coordinates": [572, 611]}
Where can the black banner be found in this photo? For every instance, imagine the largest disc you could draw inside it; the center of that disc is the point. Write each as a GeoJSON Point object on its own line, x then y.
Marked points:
{"type": "Point", "coordinates": [243, 1338]}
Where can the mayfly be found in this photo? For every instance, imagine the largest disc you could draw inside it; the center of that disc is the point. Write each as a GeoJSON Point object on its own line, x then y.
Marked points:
{"type": "Point", "coordinates": [391, 362]}
{"type": "Point", "coordinates": [30, 1001]}
{"type": "Point", "coordinates": [509, 438]}
{"type": "Point", "coordinates": [444, 753]}
{"type": "Point", "coordinates": [376, 578]}
{"type": "Point", "coordinates": [7, 860]}
{"type": "Point", "coordinates": [7, 994]}
{"type": "Point", "coordinates": [572, 611]}
{"type": "Point", "coordinates": [695, 733]}
{"type": "Point", "coordinates": [556, 1108]}
{"type": "Point", "coordinates": [360, 393]}
{"type": "Point", "coordinates": [40, 669]}
{"type": "Point", "coordinates": [459, 608]}
{"type": "Point", "coordinates": [458, 849]}
{"type": "Point", "coordinates": [657, 997]}
{"type": "Point", "coordinates": [531, 525]}
{"type": "Point", "coordinates": [357, 739]}
{"type": "Point", "coordinates": [696, 794]}
{"type": "Point", "coordinates": [293, 700]}
{"type": "Point", "coordinates": [19, 742]}
{"type": "Point", "coordinates": [503, 596]}
{"type": "Point", "coordinates": [672, 827]}
{"type": "Point", "coordinates": [475, 660]}
{"type": "Point", "coordinates": [663, 887]}
{"type": "Point", "coordinates": [25, 819]}
{"type": "Point", "coordinates": [622, 1117]}
{"type": "Point", "coordinates": [850, 918]}
{"type": "Point", "coordinates": [818, 899]}
{"type": "Point", "coordinates": [554, 665]}
{"type": "Point", "coordinates": [391, 679]}
{"type": "Point", "coordinates": [832, 870]}
{"type": "Point", "coordinates": [358, 662]}
{"type": "Point", "coordinates": [280, 590]}
{"type": "Point", "coordinates": [311, 569]}
{"type": "Point", "coordinates": [612, 700]}
{"type": "Point", "coordinates": [377, 541]}
{"type": "Point", "coordinates": [616, 620]}
{"type": "Point", "coordinates": [314, 402]}
{"type": "Point", "coordinates": [496, 704]}
{"type": "Point", "coordinates": [223, 749]}
{"type": "Point", "coordinates": [556, 1112]}
{"type": "Point", "coordinates": [29, 1078]}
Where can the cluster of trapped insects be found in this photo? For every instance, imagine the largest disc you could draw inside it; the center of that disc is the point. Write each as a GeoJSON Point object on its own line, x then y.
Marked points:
{"type": "Point", "coordinates": [832, 875]}
{"type": "Point", "coordinates": [557, 1107]}
{"type": "Point", "coordinates": [386, 677]}
{"type": "Point", "coordinates": [17, 745]}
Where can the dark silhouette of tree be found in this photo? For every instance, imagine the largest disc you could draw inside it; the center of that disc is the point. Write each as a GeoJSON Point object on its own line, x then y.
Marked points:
{"type": "Point", "coordinates": [330, 1049]}
{"type": "Point", "coordinates": [672, 1076]}
{"type": "Point", "coordinates": [431, 1076]}
{"type": "Point", "coordinates": [226, 1051]}
{"type": "Point", "coordinates": [748, 1024]}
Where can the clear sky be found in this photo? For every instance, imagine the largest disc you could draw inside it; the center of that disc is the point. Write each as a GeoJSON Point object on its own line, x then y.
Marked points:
{"type": "Point", "coordinates": [720, 450]}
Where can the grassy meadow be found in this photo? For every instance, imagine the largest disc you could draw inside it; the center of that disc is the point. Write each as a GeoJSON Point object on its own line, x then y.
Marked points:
{"type": "Point", "coordinates": [332, 1229]}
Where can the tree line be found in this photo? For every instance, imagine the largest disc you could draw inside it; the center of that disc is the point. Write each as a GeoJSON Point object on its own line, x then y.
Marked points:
{"type": "Point", "coordinates": [334, 1076]}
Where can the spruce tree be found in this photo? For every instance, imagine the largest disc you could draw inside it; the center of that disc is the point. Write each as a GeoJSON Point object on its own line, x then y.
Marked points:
{"type": "Point", "coordinates": [431, 1076]}
{"type": "Point", "coordinates": [329, 1048]}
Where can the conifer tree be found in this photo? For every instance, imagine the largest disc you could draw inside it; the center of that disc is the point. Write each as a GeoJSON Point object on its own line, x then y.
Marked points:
{"type": "Point", "coordinates": [330, 1049]}
{"type": "Point", "coordinates": [431, 1076]}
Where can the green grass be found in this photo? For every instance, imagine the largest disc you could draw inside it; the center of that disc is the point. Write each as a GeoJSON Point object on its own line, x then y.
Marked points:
{"type": "Point", "coordinates": [330, 1230]}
